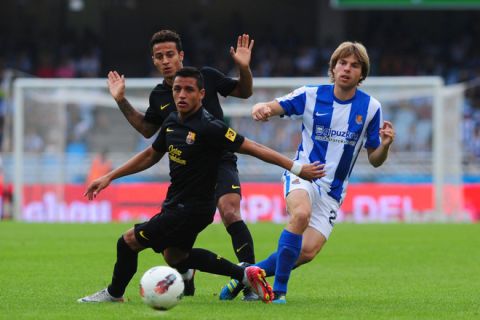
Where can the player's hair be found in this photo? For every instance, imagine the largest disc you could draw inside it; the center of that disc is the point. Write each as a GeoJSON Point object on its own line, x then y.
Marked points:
{"type": "Point", "coordinates": [346, 49]}
{"type": "Point", "coordinates": [191, 72]}
{"type": "Point", "coordinates": [166, 36]}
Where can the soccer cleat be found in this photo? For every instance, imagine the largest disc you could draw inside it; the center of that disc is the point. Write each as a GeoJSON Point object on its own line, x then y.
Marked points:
{"type": "Point", "coordinates": [280, 298]}
{"type": "Point", "coordinates": [231, 290]}
{"type": "Point", "coordinates": [249, 295]}
{"type": "Point", "coordinates": [101, 296]}
{"type": "Point", "coordinates": [257, 282]}
{"type": "Point", "coordinates": [189, 289]}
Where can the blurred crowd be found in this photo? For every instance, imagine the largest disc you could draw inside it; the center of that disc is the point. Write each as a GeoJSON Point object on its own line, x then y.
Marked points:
{"type": "Point", "coordinates": [72, 55]}
{"type": "Point", "coordinates": [395, 50]}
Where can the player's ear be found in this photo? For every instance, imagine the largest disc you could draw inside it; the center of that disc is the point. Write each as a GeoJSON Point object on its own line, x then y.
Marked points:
{"type": "Point", "coordinates": [181, 54]}
{"type": "Point", "coordinates": [202, 93]}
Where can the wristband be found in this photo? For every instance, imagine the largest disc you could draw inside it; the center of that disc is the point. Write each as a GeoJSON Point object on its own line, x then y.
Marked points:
{"type": "Point", "coordinates": [296, 168]}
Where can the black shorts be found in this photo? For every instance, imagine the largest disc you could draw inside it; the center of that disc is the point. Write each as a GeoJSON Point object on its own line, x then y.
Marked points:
{"type": "Point", "coordinates": [227, 179]}
{"type": "Point", "coordinates": [172, 228]}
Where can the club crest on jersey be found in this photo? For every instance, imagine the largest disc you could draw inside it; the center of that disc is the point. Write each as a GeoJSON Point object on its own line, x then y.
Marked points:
{"type": "Point", "coordinates": [359, 119]}
{"type": "Point", "coordinates": [231, 134]}
{"type": "Point", "coordinates": [190, 137]}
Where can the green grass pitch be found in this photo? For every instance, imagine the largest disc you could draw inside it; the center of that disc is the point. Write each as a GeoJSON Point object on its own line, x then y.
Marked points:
{"type": "Point", "coordinates": [371, 271]}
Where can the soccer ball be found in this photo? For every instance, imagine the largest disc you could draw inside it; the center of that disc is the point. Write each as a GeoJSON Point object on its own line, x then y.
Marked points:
{"type": "Point", "coordinates": [161, 287]}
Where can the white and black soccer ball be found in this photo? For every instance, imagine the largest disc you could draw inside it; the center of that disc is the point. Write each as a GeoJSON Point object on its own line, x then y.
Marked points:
{"type": "Point", "coordinates": [161, 287]}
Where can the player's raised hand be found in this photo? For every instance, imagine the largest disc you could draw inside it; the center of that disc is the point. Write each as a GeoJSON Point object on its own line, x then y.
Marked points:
{"type": "Point", "coordinates": [243, 53]}
{"type": "Point", "coordinates": [261, 112]}
{"type": "Point", "coordinates": [312, 171]}
{"type": "Point", "coordinates": [387, 133]}
{"type": "Point", "coordinates": [96, 186]}
{"type": "Point", "coordinates": [116, 85]}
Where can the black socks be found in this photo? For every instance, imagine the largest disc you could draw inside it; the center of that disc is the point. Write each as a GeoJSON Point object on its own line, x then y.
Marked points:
{"type": "Point", "coordinates": [242, 242]}
{"type": "Point", "coordinates": [208, 261]}
{"type": "Point", "coordinates": [124, 270]}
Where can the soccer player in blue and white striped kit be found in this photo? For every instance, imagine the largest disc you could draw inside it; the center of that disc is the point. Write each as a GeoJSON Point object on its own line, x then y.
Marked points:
{"type": "Point", "coordinates": [337, 120]}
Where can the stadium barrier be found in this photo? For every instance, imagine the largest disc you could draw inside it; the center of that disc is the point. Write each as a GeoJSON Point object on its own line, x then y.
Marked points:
{"type": "Point", "coordinates": [365, 203]}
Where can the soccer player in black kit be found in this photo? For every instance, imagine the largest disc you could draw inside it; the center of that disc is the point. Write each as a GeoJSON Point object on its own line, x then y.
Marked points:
{"type": "Point", "coordinates": [167, 56]}
{"type": "Point", "coordinates": [195, 142]}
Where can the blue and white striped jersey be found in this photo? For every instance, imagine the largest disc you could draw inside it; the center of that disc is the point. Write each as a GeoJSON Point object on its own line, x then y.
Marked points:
{"type": "Point", "coordinates": [333, 131]}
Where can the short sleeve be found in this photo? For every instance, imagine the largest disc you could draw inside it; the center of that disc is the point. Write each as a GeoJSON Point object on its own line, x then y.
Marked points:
{"type": "Point", "coordinates": [160, 144]}
{"type": "Point", "coordinates": [222, 84]}
{"type": "Point", "coordinates": [160, 105]}
{"type": "Point", "coordinates": [373, 130]}
{"type": "Point", "coordinates": [294, 102]}
{"type": "Point", "coordinates": [220, 136]}
{"type": "Point", "coordinates": [153, 117]}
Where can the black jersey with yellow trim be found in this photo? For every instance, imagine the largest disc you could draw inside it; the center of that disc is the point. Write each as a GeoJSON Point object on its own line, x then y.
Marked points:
{"type": "Point", "coordinates": [161, 102]}
{"type": "Point", "coordinates": [194, 147]}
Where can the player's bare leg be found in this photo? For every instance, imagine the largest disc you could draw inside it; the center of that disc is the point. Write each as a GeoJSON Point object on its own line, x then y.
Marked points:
{"type": "Point", "coordinates": [313, 242]}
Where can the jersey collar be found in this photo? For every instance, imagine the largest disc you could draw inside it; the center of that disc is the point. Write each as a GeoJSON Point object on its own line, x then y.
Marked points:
{"type": "Point", "coordinates": [194, 115]}
{"type": "Point", "coordinates": [343, 101]}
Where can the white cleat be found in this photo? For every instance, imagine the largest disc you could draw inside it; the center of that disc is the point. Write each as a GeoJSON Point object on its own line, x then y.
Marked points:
{"type": "Point", "coordinates": [100, 296]}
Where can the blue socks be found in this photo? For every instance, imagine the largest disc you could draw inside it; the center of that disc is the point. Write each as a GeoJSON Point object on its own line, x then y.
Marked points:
{"type": "Point", "coordinates": [269, 264]}
{"type": "Point", "coordinates": [289, 247]}
{"type": "Point", "coordinates": [281, 262]}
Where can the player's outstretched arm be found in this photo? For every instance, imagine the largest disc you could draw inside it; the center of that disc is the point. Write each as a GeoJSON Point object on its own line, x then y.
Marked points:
{"type": "Point", "coordinates": [242, 56]}
{"type": "Point", "coordinates": [377, 156]}
{"type": "Point", "coordinates": [264, 110]}
{"type": "Point", "coordinates": [116, 86]}
{"type": "Point", "coordinates": [141, 161]}
{"type": "Point", "coordinates": [309, 171]}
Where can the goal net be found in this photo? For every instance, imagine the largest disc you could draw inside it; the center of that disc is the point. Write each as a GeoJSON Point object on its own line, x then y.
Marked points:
{"type": "Point", "coordinates": [61, 125]}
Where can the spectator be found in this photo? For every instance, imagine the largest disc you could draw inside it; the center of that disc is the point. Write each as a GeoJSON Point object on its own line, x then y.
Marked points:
{"type": "Point", "coordinates": [100, 166]}
{"type": "Point", "coordinates": [45, 68]}
{"type": "Point", "coordinates": [66, 68]}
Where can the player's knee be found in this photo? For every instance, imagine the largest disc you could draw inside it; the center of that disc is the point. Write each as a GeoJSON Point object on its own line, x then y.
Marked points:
{"type": "Point", "coordinates": [131, 240]}
{"type": "Point", "coordinates": [300, 217]}
{"type": "Point", "coordinates": [173, 262]}
{"type": "Point", "coordinates": [229, 209]}
{"type": "Point", "coordinates": [174, 258]}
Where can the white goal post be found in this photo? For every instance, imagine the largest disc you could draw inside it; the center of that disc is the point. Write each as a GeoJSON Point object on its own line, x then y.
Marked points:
{"type": "Point", "coordinates": [424, 102]}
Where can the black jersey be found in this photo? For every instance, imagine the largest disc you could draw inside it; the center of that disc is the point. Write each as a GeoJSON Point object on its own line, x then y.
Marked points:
{"type": "Point", "coordinates": [194, 148]}
{"type": "Point", "coordinates": [162, 104]}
